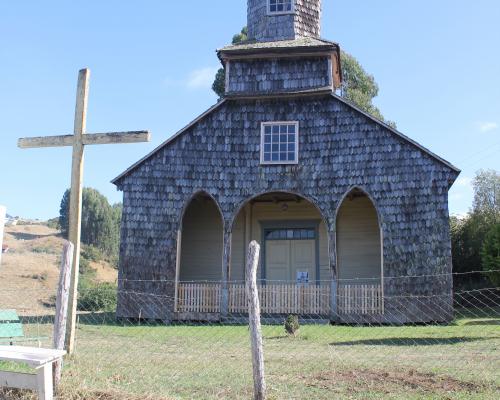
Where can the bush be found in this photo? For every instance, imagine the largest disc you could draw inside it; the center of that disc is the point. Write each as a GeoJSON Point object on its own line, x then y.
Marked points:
{"type": "Point", "coordinates": [97, 297]}
{"type": "Point", "coordinates": [292, 324]}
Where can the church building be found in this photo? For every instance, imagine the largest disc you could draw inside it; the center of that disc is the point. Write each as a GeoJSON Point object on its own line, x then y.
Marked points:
{"type": "Point", "coordinates": [351, 215]}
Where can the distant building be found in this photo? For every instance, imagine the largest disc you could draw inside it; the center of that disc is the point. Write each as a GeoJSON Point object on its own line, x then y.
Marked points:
{"type": "Point", "coordinates": [344, 206]}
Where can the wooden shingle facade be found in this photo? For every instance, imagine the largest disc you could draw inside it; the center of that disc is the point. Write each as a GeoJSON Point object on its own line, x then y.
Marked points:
{"type": "Point", "coordinates": [340, 149]}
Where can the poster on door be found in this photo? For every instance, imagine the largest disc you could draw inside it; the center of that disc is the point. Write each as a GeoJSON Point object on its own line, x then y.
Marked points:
{"type": "Point", "coordinates": [302, 277]}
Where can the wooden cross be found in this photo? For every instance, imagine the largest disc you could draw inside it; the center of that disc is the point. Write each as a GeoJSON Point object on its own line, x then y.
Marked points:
{"type": "Point", "coordinates": [78, 141]}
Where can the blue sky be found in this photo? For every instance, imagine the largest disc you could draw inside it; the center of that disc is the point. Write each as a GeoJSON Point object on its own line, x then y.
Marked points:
{"type": "Point", "coordinates": [437, 63]}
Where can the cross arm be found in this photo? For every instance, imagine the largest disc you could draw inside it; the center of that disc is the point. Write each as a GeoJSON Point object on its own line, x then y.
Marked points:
{"type": "Point", "coordinates": [117, 137]}
{"type": "Point", "coordinates": [87, 139]}
{"type": "Point", "coordinates": [45, 141]}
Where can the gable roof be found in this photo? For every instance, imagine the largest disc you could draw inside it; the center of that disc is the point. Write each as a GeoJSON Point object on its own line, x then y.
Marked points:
{"type": "Point", "coordinates": [341, 99]}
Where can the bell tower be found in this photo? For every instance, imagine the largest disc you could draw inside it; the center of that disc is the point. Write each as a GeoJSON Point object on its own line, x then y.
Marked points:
{"type": "Point", "coordinates": [272, 20]}
{"type": "Point", "coordinates": [284, 54]}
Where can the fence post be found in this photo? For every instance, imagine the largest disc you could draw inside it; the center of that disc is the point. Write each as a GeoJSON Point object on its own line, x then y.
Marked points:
{"type": "Point", "coordinates": [3, 211]}
{"type": "Point", "coordinates": [62, 307]}
{"type": "Point", "coordinates": [254, 319]}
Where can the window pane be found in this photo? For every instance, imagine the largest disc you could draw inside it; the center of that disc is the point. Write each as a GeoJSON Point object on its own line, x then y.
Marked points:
{"type": "Point", "coordinates": [279, 143]}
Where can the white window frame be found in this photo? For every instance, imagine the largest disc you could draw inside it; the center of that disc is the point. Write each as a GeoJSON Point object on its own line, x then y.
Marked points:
{"type": "Point", "coordinates": [269, 12]}
{"type": "Point", "coordinates": [279, 162]}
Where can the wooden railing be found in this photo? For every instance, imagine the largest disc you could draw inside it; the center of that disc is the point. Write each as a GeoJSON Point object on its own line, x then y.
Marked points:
{"type": "Point", "coordinates": [282, 299]}
{"type": "Point", "coordinates": [360, 299]}
{"type": "Point", "coordinates": [198, 297]}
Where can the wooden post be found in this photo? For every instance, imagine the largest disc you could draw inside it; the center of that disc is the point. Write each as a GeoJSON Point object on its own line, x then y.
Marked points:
{"type": "Point", "coordinates": [62, 307]}
{"type": "Point", "coordinates": [226, 273]}
{"type": "Point", "coordinates": [3, 211]}
{"type": "Point", "coordinates": [75, 201]}
{"type": "Point", "coordinates": [254, 320]}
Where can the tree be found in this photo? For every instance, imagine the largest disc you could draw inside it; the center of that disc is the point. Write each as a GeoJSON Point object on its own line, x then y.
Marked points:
{"type": "Point", "coordinates": [100, 221]}
{"type": "Point", "coordinates": [469, 234]}
{"type": "Point", "coordinates": [219, 85]}
{"type": "Point", "coordinates": [487, 195]}
{"type": "Point", "coordinates": [358, 86]}
{"type": "Point", "coordinates": [490, 255]}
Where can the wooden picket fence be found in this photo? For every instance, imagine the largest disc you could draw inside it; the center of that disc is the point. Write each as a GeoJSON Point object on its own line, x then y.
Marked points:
{"type": "Point", "coordinates": [360, 299]}
{"type": "Point", "coordinates": [199, 297]}
{"type": "Point", "coordinates": [283, 299]}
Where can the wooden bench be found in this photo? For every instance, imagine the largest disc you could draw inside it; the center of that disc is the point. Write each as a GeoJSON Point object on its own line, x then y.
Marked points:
{"type": "Point", "coordinates": [39, 359]}
{"type": "Point", "coordinates": [11, 329]}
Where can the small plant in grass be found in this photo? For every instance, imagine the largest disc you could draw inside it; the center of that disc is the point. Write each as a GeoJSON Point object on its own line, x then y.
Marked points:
{"type": "Point", "coordinates": [292, 324]}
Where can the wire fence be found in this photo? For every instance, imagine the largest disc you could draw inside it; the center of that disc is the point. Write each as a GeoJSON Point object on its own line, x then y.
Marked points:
{"type": "Point", "coordinates": [376, 340]}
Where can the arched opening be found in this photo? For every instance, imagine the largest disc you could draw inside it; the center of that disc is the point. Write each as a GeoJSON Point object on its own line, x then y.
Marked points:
{"type": "Point", "coordinates": [359, 255]}
{"type": "Point", "coordinates": [294, 269]}
{"type": "Point", "coordinates": [202, 237]}
{"type": "Point", "coordinates": [199, 258]}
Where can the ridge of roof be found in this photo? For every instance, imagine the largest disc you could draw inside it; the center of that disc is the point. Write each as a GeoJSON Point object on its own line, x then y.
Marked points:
{"type": "Point", "coordinates": [341, 99]}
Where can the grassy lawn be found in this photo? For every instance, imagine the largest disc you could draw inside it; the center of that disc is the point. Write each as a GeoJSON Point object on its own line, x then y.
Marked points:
{"type": "Point", "coordinates": [457, 361]}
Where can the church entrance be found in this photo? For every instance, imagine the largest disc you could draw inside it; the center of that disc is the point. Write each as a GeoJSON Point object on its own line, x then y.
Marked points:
{"type": "Point", "coordinates": [290, 255]}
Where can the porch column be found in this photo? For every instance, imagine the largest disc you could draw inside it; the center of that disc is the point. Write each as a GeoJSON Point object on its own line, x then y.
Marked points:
{"type": "Point", "coordinates": [226, 265]}
{"type": "Point", "coordinates": [334, 283]}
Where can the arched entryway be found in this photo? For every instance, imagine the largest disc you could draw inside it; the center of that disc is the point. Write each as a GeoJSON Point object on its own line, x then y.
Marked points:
{"type": "Point", "coordinates": [294, 271]}
{"type": "Point", "coordinates": [199, 256]}
{"type": "Point", "coordinates": [359, 255]}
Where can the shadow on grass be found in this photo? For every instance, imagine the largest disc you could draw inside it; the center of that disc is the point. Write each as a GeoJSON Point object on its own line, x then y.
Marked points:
{"type": "Point", "coordinates": [483, 322]}
{"type": "Point", "coordinates": [28, 236]}
{"type": "Point", "coordinates": [418, 341]}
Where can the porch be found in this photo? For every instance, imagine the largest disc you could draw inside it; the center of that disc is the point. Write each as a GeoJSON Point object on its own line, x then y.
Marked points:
{"type": "Point", "coordinates": [307, 300]}
{"type": "Point", "coordinates": [295, 272]}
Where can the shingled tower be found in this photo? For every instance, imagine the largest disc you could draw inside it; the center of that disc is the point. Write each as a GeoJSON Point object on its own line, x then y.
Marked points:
{"type": "Point", "coordinates": [284, 53]}
{"type": "Point", "coordinates": [270, 20]}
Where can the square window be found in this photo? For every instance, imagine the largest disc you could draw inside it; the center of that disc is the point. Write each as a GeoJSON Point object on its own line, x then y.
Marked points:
{"type": "Point", "coordinates": [280, 6]}
{"type": "Point", "coordinates": [279, 142]}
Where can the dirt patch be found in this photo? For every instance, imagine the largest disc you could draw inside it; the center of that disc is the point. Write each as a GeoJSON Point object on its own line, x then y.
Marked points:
{"type": "Point", "coordinates": [386, 382]}
{"type": "Point", "coordinates": [29, 273]}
